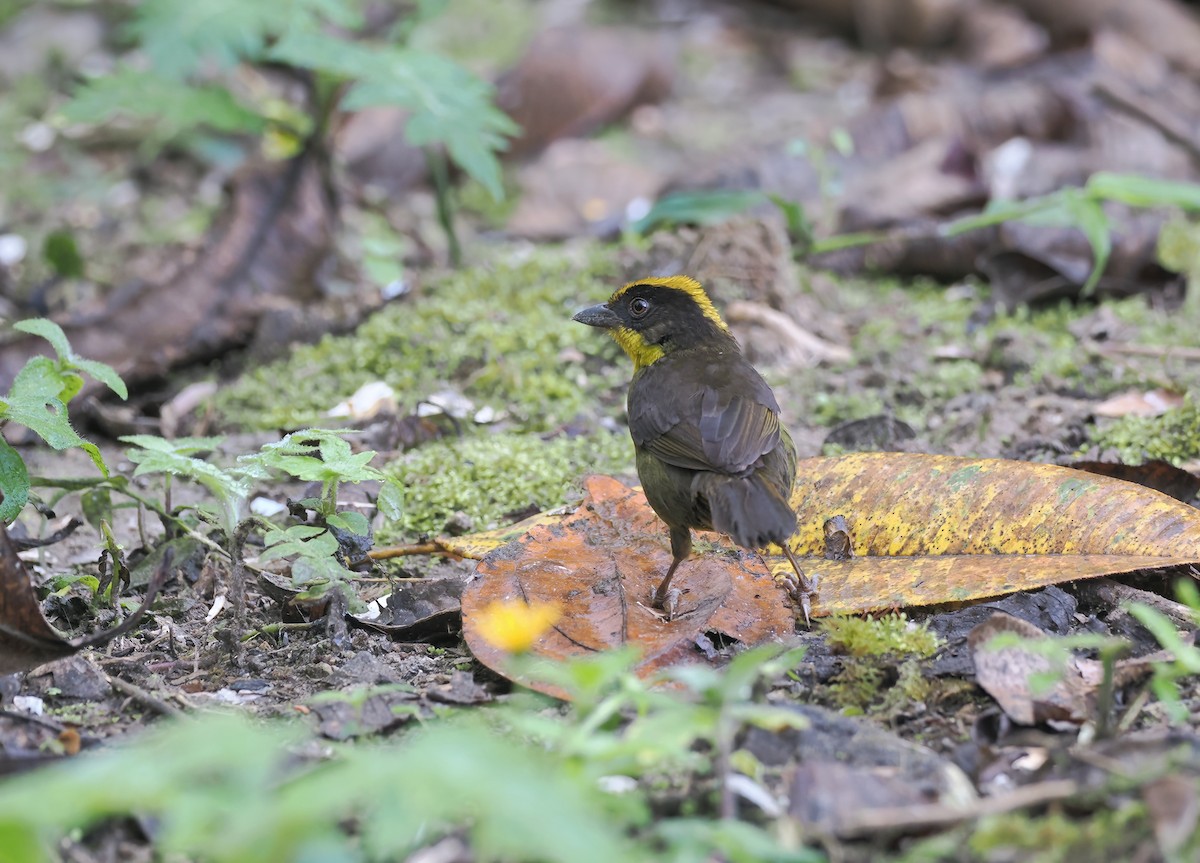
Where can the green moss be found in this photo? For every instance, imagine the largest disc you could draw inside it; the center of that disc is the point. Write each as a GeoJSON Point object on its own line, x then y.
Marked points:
{"type": "Point", "coordinates": [496, 335]}
{"type": "Point", "coordinates": [883, 674]}
{"type": "Point", "coordinates": [890, 635]}
{"type": "Point", "coordinates": [1107, 834]}
{"type": "Point", "coordinates": [493, 476]}
{"type": "Point", "coordinates": [829, 407]}
{"type": "Point", "coordinates": [1173, 437]}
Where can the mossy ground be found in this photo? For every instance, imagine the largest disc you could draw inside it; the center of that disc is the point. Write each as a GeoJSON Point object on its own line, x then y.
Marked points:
{"type": "Point", "coordinates": [501, 335]}
{"type": "Point", "coordinates": [1173, 437]}
{"type": "Point", "coordinates": [496, 478]}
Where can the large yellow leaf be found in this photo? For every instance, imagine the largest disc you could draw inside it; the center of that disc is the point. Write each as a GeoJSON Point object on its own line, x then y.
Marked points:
{"type": "Point", "coordinates": [926, 530]}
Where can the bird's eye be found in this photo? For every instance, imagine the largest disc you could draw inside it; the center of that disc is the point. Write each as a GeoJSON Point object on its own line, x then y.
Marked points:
{"type": "Point", "coordinates": [638, 307]}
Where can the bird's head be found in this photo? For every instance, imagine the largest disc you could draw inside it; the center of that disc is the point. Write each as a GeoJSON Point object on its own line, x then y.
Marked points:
{"type": "Point", "coordinates": [650, 318]}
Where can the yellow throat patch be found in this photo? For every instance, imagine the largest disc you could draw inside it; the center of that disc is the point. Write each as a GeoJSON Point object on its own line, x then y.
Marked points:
{"type": "Point", "coordinates": [633, 344]}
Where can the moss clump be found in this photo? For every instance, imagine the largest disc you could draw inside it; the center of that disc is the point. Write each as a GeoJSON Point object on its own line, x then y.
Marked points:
{"type": "Point", "coordinates": [883, 673]}
{"type": "Point", "coordinates": [1174, 436]}
{"type": "Point", "coordinates": [495, 335]}
{"type": "Point", "coordinates": [890, 635]}
{"type": "Point", "coordinates": [493, 476]}
{"type": "Point", "coordinates": [1106, 834]}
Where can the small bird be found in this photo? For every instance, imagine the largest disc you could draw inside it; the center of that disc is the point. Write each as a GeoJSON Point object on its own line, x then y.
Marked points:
{"type": "Point", "coordinates": [711, 452]}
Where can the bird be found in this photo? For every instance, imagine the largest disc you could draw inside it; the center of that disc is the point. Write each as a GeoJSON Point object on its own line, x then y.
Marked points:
{"type": "Point", "coordinates": [711, 452]}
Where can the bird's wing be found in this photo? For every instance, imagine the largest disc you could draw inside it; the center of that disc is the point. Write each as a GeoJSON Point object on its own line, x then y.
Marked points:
{"type": "Point", "coordinates": [708, 429]}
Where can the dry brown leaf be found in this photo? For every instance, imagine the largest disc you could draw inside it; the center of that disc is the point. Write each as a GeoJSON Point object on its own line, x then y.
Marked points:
{"type": "Point", "coordinates": [1139, 404]}
{"type": "Point", "coordinates": [927, 530]}
{"type": "Point", "coordinates": [1011, 675]}
{"type": "Point", "coordinates": [27, 639]}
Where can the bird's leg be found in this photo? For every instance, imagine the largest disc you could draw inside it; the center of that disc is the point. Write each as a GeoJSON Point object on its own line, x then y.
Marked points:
{"type": "Point", "coordinates": [681, 549]}
{"type": "Point", "coordinates": [803, 589]}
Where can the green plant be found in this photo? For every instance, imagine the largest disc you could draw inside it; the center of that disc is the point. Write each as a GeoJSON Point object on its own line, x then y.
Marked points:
{"type": "Point", "coordinates": [621, 725]}
{"type": "Point", "coordinates": [313, 455]}
{"type": "Point", "coordinates": [178, 458]}
{"type": "Point", "coordinates": [38, 400]}
{"type": "Point", "coordinates": [193, 48]}
{"type": "Point", "coordinates": [1075, 207]}
{"type": "Point", "coordinates": [513, 782]}
{"type": "Point", "coordinates": [1185, 661]}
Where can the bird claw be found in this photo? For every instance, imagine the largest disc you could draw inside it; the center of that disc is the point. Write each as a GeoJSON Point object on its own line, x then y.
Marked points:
{"type": "Point", "coordinates": [800, 589]}
{"type": "Point", "coordinates": [670, 603]}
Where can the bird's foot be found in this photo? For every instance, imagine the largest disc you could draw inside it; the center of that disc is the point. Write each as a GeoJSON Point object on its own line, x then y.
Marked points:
{"type": "Point", "coordinates": [799, 586]}
{"type": "Point", "coordinates": [667, 601]}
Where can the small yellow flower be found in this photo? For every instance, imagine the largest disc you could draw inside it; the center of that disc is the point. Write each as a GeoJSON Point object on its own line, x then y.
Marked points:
{"type": "Point", "coordinates": [514, 625]}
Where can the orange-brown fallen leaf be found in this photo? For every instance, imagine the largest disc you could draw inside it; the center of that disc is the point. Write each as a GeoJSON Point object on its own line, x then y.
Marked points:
{"type": "Point", "coordinates": [601, 565]}
{"type": "Point", "coordinates": [918, 530]}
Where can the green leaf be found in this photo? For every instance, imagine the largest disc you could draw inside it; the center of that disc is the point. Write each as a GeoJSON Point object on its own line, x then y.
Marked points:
{"type": "Point", "coordinates": [71, 383]}
{"type": "Point", "coordinates": [1143, 191]}
{"type": "Point", "coordinates": [997, 212]}
{"type": "Point", "coordinates": [154, 455]}
{"type": "Point", "coordinates": [169, 107]}
{"type": "Point", "coordinates": [1088, 216]}
{"type": "Point", "coordinates": [178, 446]}
{"type": "Point", "coordinates": [179, 35]}
{"type": "Point", "coordinates": [799, 227]}
{"type": "Point", "coordinates": [1163, 630]}
{"type": "Point", "coordinates": [14, 482]}
{"type": "Point", "coordinates": [708, 207]}
{"type": "Point", "coordinates": [354, 522]}
{"type": "Point", "coordinates": [104, 373]}
{"type": "Point", "coordinates": [34, 402]}
{"type": "Point", "coordinates": [448, 104]}
{"type": "Point", "coordinates": [62, 254]}
{"type": "Point", "coordinates": [391, 500]}
{"type": "Point", "coordinates": [302, 539]}
{"type": "Point", "coordinates": [313, 455]}
{"type": "Point", "coordinates": [49, 331]}
{"type": "Point", "coordinates": [317, 569]}
{"type": "Point", "coordinates": [97, 506]}
{"type": "Point", "coordinates": [310, 49]}
{"type": "Point", "coordinates": [695, 840]}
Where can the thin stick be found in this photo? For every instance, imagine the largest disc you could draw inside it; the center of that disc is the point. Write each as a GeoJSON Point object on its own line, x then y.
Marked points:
{"type": "Point", "coordinates": [148, 699]}
{"type": "Point", "coordinates": [1167, 352]}
{"type": "Point", "coordinates": [405, 550]}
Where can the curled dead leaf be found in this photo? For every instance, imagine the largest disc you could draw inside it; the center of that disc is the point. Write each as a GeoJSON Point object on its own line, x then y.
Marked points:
{"type": "Point", "coordinates": [1026, 681]}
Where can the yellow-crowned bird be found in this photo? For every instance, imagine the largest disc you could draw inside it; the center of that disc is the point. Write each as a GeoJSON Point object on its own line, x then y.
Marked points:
{"type": "Point", "coordinates": [711, 452]}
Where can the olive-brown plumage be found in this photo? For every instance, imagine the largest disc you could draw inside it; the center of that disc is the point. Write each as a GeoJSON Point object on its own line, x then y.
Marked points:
{"type": "Point", "coordinates": [711, 453]}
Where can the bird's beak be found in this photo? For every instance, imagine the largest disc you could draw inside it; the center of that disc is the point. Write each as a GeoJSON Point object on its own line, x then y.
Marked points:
{"type": "Point", "coordinates": [598, 316]}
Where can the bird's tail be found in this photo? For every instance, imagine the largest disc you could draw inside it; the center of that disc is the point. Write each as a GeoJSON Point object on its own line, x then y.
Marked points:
{"type": "Point", "coordinates": [749, 509]}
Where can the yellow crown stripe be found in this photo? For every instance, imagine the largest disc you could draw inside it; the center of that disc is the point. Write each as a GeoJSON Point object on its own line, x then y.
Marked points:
{"type": "Point", "coordinates": [687, 285]}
